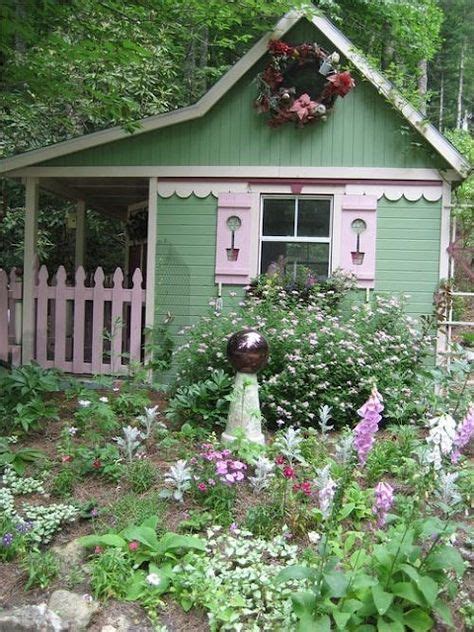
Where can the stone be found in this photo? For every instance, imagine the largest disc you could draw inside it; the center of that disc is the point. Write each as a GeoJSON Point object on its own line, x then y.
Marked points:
{"type": "Point", "coordinates": [108, 628]}
{"type": "Point", "coordinates": [70, 554]}
{"type": "Point", "coordinates": [117, 624]}
{"type": "Point", "coordinates": [31, 618]}
{"type": "Point", "coordinates": [73, 608]}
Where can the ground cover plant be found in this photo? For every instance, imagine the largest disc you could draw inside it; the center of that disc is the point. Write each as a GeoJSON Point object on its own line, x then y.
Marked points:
{"type": "Point", "coordinates": [364, 526]}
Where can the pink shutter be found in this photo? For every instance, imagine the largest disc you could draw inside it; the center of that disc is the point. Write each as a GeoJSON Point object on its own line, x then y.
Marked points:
{"type": "Point", "coordinates": [233, 246]}
{"type": "Point", "coordinates": [358, 255]}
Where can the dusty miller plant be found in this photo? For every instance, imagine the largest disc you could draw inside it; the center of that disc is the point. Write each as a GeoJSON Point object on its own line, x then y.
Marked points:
{"type": "Point", "coordinates": [325, 417]}
{"type": "Point", "coordinates": [179, 477]}
{"type": "Point", "coordinates": [130, 442]}
{"type": "Point", "coordinates": [149, 420]}
{"type": "Point", "coordinates": [289, 444]}
{"type": "Point", "coordinates": [263, 473]}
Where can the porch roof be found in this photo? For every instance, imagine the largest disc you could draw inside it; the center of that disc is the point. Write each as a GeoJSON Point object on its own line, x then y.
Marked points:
{"type": "Point", "coordinates": [109, 195]}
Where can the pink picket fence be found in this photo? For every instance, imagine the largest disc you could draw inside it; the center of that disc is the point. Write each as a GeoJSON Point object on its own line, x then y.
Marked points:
{"type": "Point", "coordinates": [80, 327]}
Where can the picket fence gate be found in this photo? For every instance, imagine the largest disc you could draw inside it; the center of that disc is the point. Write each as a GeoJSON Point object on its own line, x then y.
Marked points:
{"type": "Point", "coordinates": [81, 328]}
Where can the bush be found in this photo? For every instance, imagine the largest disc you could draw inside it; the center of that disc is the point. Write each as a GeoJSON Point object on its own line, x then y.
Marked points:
{"type": "Point", "coordinates": [320, 353]}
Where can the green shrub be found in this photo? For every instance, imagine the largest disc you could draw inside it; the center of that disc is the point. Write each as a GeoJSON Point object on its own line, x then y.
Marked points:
{"type": "Point", "coordinates": [320, 354]}
{"type": "Point", "coordinates": [111, 572]}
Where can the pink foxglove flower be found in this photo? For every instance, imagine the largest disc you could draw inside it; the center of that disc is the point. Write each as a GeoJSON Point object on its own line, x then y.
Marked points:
{"type": "Point", "coordinates": [365, 430]}
{"type": "Point", "coordinates": [383, 502]}
{"type": "Point", "coordinates": [464, 434]}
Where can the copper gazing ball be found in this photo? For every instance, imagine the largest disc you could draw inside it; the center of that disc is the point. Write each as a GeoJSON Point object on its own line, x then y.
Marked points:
{"type": "Point", "coordinates": [247, 351]}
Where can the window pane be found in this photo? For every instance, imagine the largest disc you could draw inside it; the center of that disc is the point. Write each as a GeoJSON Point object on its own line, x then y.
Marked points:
{"type": "Point", "coordinates": [279, 218]}
{"type": "Point", "coordinates": [288, 256]}
{"type": "Point", "coordinates": [313, 218]}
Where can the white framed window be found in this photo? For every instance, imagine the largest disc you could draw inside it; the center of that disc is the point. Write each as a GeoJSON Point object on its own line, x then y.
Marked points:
{"type": "Point", "coordinates": [295, 231]}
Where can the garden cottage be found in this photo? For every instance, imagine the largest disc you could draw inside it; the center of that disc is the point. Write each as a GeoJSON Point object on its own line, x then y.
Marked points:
{"type": "Point", "coordinates": [302, 155]}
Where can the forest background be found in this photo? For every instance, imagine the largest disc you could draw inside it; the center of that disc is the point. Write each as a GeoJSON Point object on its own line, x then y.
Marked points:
{"type": "Point", "coordinates": [71, 67]}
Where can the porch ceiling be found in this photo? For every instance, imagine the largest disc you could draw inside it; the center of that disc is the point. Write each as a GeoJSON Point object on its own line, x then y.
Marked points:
{"type": "Point", "coordinates": [110, 196]}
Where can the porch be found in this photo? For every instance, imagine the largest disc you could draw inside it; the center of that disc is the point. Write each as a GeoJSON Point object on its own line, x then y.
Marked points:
{"type": "Point", "coordinates": [74, 318]}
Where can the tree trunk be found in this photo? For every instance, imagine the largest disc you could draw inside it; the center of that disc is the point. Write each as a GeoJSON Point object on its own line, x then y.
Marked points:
{"type": "Point", "coordinates": [423, 83]}
{"type": "Point", "coordinates": [441, 104]}
{"type": "Point", "coordinates": [460, 88]}
{"type": "Point", "coordinates": [388, 49]}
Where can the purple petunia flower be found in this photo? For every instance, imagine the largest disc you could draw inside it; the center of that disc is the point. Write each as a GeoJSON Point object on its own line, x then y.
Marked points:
{"type": "Point", "coordinates": [365, 430]}
{"type": "Point", "coordinates": [382, 502]}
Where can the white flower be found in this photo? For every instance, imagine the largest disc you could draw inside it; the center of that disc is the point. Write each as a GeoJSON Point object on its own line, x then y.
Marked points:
{"type": "Point", "coordinates": [440, 439]}
{"type": "Point", "coordinates": [313, 537]}
{"type": "Point", "coordinates": [84, 403]}
{"type": "Point", "coordinates": [104, 400]}
{"type": "Point", "coordinates": [72, 431]}
{"type": "Point", "coordinates": [153, 579]}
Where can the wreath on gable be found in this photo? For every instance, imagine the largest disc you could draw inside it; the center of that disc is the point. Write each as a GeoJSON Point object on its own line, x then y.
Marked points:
{"type": "Point", "coordinates": [300, 83]}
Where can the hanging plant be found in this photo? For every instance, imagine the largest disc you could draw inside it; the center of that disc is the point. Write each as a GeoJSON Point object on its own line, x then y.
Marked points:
{"type": "Point", "coordinates": [300, 83]}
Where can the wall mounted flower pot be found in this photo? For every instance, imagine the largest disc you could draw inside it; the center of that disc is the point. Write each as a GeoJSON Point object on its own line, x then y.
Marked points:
{"type": "Point", "coordinates": [357, 258]}
{"type": "Point", "coordinates": [232, 254]}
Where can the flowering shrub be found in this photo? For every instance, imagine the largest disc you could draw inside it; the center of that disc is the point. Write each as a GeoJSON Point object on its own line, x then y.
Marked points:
{"type": "Point", "coordinates": [319, 355]}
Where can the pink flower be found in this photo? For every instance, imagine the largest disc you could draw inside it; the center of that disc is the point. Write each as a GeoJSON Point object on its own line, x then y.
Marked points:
{"type": "Point", "coordinates": [306, 488]}
{"type": "Point", "coordinates": [464, 434]}
{"type": "Point", "coordinates": [288, 472]}
{"type": "Point", "coordinates": [233, 527]}
{"type": "Point", "coordinates": [67, 458]}
{"type": "Point", "coordinates": [365, 430]}
{"type": "Point", "coordinates": [280, 459]}
{"type": "Point", "coordinates": [202, 487]}
{"type": "Point", "coordinates": [230, 478]}
{"type": "Point", "coordinates": [238, 465]}
{"type": "Point", "coordinates": [98, 550]}
{"type": "Point", "coordinates": [133, 545]}
{"type": "Point", "coordinates": [382, 502]}
{"type": "Point", "coordinates": [221, 467]}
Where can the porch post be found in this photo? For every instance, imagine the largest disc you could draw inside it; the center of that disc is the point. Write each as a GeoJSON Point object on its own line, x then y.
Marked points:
{"type": "Point", "coordinates": [151, 252]}
{"type": "Point", "coordinates": [29, 268]}
{"type": "Point", "coordinates": [151, 260]}
{"type": "Point", "coordinates": [79, 253]}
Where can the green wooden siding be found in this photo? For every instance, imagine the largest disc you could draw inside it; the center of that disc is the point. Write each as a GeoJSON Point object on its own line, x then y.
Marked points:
{"type": "Point", "coordinates": [185, 260]}
{"type": "Point", "coordinates": [408, 236]}
{"type": "Point", "coordinates": [408, 249]}
{"type": "Point", "coordinates": [362, 131]}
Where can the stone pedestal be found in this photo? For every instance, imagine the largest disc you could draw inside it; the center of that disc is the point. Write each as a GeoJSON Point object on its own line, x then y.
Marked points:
{"type": "Point", "coordinates": [244, 411]}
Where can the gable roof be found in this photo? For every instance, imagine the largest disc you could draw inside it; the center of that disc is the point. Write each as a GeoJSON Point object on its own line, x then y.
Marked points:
{"type": "Point", "coordinates": [439, 142]}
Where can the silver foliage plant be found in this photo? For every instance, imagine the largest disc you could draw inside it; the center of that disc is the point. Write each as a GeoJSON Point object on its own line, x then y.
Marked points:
{"type": "Point", "coordinates": [149, 420]}
{"type": "Point", "coordinates": [130, 442]}
{"type": "Point", "coordinates": [289, 444]}
{"type": "Point", "coordinates": [263, 473]}
{"type": "Point", "coordinates": [325, 417]}
{"type": "Point", "coordinates": [344, 449]}
{"type": "Point", "coordinates": [448, 491]}
{"type": "Point", "coordinates": [179, 477]}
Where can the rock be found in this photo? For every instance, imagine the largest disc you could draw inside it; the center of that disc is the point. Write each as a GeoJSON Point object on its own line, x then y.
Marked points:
{"type": "Point", "coordinates": [73, 608]}
{"type": "Point", "coordinates": [117, 624]}
{"type": "Point", "coordinates": [31, 618]}
{"type": "Point", "coordinates": [70, 554]}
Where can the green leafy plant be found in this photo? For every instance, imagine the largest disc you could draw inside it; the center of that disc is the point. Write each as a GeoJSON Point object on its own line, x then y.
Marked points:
{"type": "Point", "coordinates": [32, 414]}
{"type": "Point", "coordinates": [111, 572]}
{"type": "Point", "coordinates": [18, 458]}
{"type": "Point", "coordinates": [42, 568]}
{"type": "Point", "coordinates": [203, 403]}
{"type": "Point", "coordinates": [140, 475]}
{"type": "Point", "coordinates": [142, 562]}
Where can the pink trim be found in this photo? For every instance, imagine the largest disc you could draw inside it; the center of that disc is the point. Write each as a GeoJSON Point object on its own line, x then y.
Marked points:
{"type": "Point", "coordinates": [233, 270]}
{"type": "Point", "coordinates": [359, 207]}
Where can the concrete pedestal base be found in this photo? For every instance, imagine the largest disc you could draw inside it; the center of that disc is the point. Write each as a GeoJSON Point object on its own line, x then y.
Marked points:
{"type": "Point", "coordinates": [244, 411]}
